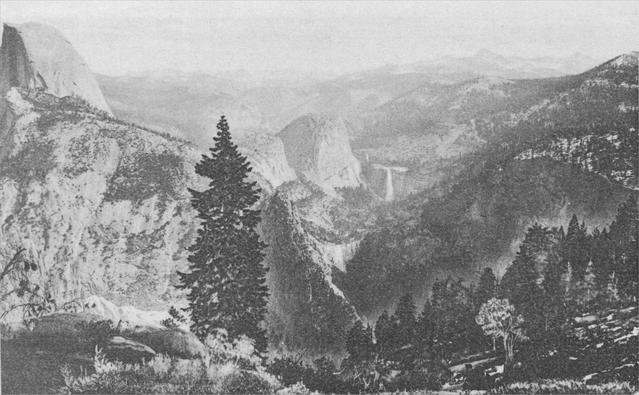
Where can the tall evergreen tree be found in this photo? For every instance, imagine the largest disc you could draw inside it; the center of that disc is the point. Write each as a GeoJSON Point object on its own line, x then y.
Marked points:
{"type": "Point", "coordinates": [486, 288]}
{"type": "Point", "coordinates": [425, 327]}
{"type": "Point", "coordinates": [359, 342]}
{"type": "Point", "coordinates": [554, 295]}
{"type": "Point", "coordinates": [601, 256]}
{"type": "Point", "coordinates": [405, 320]}
{"type": "Point", "coordinates": [385, 335]}
{"type": "Point", "coordinates": [576, 247]}
{"type": "Point", "coordinates": [624, 236]}
{"type": "Point", "coordinates": [519, 286]}
{"type": "Point", "coordinates": [226, 279]}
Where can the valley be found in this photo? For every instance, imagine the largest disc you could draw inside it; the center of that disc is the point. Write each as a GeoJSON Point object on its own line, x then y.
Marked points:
{"type": "Point", "coordinates": [388, 190]}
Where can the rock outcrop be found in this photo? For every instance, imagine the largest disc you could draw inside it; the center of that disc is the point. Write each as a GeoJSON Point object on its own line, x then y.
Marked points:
{"type": "Point", "coordinates": [35, 56]}
{"type": "Point", "coordinates": [318, 149]}
{"type": "Point", "coordinates": [101, 205]}
{"type": "Point", "coordinates": [306, 310]}
{"type": "Point", "coordinates": [266, 154]}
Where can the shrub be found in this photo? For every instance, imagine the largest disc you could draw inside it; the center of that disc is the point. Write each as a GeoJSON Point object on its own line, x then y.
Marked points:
{"type": "Point", "coordinates": [220, 372]}
{"type": "Point", "coordinates": [296, 389]}
{"type": "Point", "coordinates": [244, 382]}
{"type": "Point", "coordinates": [414, 380]}
{"type": "Point", "coordinates": [564, 387]}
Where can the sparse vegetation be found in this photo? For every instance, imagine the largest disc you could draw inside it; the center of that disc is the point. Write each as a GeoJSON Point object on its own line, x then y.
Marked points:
{"type": "Point", "coordinates": [228, 368]}
{"type": "Point", "coordinates": [564, 387]}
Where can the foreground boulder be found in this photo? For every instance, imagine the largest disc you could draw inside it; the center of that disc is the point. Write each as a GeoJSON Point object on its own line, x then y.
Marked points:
{"type": "Point", "coordinates": [63, 324]}
{"type": "Point", "coordinates": [175, 342]}
{"type": "Point", "coordinates": [85, 331]}
{"type": "Point", "coordinates": [126, 350]}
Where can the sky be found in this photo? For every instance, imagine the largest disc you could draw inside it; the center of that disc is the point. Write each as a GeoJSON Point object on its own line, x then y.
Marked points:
{"type": "Point", "coordinates": [123, 37]}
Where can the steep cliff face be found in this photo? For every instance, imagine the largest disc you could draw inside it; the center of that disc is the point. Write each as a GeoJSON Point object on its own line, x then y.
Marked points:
{"type": "Point", "coordinates": [102, 205]}
{"type": "Point", "coordinates": [38, 56]}
{"type": "Point", "coordinates": [266, 154]}
{"type": "Point", "coordinates": [306, 310]}
{"type": "Point", "coordinates": [317, 148]}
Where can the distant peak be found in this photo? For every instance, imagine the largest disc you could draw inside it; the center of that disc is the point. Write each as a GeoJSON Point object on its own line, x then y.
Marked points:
{"type": "Point", "coordinates": [627, 59]}
{"type": "Point", "coordinates": [33, 55]}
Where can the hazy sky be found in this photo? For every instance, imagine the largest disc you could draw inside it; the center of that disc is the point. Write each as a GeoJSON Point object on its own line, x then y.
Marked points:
{"type": "Point", "coordinates": [121, 37]}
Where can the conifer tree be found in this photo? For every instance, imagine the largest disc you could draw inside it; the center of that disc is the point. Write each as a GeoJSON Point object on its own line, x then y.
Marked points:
{"type": "Point", "coordinates": [519, 286]}
{"type": "Point", "coordinates": [425, 327]}
{"type": "Point", "coordinates": [405, 320]}
{"type": "Point", "coordinates": [589, 283]}
{"type": "Point", "coordinates": [624, 236]}
{"type": "Point", "coordinates": [600, 255]}
{"type": "Point", "coordinates": [225, 283]}
{"type": "Point", "coordinates": [576, 247]}
{"type": "Point", "coordinates": [384, 334]}
{"type": "Point", "coordinates": [554, 294]}
{"type": "Point", "coordinates": [486, 288]}
{"type": "Point", "coordinates": [359, 342]}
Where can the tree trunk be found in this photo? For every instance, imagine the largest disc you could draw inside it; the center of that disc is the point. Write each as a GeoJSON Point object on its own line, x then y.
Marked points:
{"type": "Point", "coordinates": [509, 341]}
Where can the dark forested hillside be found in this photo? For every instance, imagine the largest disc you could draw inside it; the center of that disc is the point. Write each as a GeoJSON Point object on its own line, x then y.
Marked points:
{"type": "Point", "coordinates": [552, 148]}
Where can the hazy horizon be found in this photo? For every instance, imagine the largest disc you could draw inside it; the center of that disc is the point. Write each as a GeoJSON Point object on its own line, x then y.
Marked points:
{"type": "Point", "coordinates": [125, 37]}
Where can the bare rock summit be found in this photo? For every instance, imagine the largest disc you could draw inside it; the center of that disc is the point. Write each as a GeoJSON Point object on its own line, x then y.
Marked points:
{"type": "Point", "coordinates": [36, 56]}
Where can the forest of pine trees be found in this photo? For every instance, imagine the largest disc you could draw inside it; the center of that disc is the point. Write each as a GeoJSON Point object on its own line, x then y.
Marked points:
{"type": "Point", "coordinates": [556, 275]}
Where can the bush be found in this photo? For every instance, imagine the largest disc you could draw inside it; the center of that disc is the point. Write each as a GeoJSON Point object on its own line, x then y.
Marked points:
{"type": "Point", "coordinates": [413, 380]}
{"type": "Point", "coordinates": [564, 387]}
{"type": "Point", "coordinates": [227, 368]}
{"type": "Point", "coordinates": [244, 382]}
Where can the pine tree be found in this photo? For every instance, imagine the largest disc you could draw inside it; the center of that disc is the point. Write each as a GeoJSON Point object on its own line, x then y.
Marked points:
{"type": "Point", "coordinates": [624, 236]}
{"type": "Point", "coordinates": [600, 256]}
{"type": "Point", "coordinates": [226, 279]}
{"type": "Point", "coordinates": [404, 318]}
{"type": "Point", "coordinates": [519, 286]}
{"type": "Point", "coordinates": [425, 327]}
{"type": "Point", "coordinates": [486, 288]}
{"type": "Point", "coordinates": [554, 294]}
{"type": "Point", "coordinates": [589, 283]}
{"type": "Point", "coordinates": [385, 335]}
{"type": "Point", "coordinates": [576, 247]}
{"type": "Point", "coordinates": [359, 342]}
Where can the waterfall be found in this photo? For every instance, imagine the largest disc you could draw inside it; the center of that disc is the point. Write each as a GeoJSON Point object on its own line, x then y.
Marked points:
{"type": "Point", "coordinates": [389, 184]}
{"type": "Point", "coordinates": [389, 189]}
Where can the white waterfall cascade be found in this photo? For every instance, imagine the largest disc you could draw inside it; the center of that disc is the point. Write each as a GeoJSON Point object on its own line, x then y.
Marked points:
{"type": "Point", "coordinates": [388, 196]}
{"type": "Point", "coordinates": [389, 189]}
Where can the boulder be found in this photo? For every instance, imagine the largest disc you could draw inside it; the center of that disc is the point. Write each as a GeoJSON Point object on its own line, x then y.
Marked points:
{"type": "Point", "coordinates": [63, 324]}
{"type": "Point", "coordinates": [127, 350]}
{"type": "Point", "coordinates": [174, 342]}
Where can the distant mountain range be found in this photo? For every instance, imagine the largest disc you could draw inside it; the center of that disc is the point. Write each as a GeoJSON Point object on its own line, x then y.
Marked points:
{"type": "Point", "coordinates": [374, 183]}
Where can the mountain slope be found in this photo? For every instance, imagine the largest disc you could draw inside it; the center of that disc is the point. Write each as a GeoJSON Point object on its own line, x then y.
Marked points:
{"type": "Point", "coordinates": [101, 204]}
{"type": "Point", "coordinates": [527, 170]}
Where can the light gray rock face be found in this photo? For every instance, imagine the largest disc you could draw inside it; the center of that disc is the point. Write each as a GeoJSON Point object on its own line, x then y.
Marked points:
{"type": "Point", "coordinates": [36, 56]}
{"type": "Point", "coordinates": [318, 149]}
{"type": "Point", "coordinates": [266, 154]}
{"type": "Point", "coordinates": [101, 205]}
